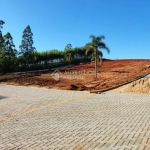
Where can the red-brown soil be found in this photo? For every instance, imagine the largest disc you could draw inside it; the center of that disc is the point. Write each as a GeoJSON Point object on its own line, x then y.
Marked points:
{"type": "Point", "coordinates": [111, 73]}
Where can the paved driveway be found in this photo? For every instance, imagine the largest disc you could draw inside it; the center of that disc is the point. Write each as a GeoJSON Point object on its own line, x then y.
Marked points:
{"type": "Point", "coordinates": [41, 119]}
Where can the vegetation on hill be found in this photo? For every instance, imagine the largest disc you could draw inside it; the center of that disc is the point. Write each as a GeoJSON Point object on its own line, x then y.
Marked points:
{"type": "Point", "coordinates": [28, 58]}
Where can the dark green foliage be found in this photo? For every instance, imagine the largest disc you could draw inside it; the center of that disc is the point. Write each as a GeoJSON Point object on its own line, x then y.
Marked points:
{"type": "Point", "coordinates": [9, 46]}
{"type": "Point", "coordinates": [26, 48]}
{"type": "Point", "coordinates": [1, 25]}
{"type": "Point", "coordinates": [53, 58]}
{"type": "Point", "coordinates": [1, 36]}
{"type": "Point", "coordinates": [8, 57]}
{"type": "Point", "coordinates": [27, 41]}
{"type": "Point", "coordinates": [69, 53]}
{"type": "Point", "coordinates": [68, 47]}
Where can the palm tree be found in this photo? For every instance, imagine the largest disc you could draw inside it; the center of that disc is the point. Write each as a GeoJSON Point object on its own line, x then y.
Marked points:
{"type": "Point", "coordinates": [94, 46]}
{"type": "Point", "coordinates": [99, 56]}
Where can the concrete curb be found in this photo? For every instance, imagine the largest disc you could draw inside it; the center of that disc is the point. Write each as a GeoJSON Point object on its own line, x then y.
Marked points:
{"type": "Point", "coordinates": [111, 88]}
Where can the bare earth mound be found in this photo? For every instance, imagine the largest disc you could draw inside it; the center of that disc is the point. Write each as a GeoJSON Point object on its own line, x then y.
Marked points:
{"type": "Point", "coordinates": [140, 86]}
{"type": "Point", "coordinates": [81, 77]}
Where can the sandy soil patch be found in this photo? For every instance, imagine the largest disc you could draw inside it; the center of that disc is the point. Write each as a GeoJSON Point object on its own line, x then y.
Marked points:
{"type": "Point", "coordinates": [139, 86]}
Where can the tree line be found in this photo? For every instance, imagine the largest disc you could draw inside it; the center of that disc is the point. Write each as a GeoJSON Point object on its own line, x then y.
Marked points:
{"type": "Point", "coordinates": [28, 58]}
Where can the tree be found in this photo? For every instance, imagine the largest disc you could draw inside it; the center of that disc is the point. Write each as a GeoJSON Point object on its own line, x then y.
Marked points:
{"type": "Point", "coordinates": [1, 36]}
{"type": "Point", "coordinates": [69, 54]}
{"type": "Point", "coordinates": [68, 47]}
{"type": "Point", "coordinates": [1, 45]}
{"type": "Point", "coordinates": [94, 46]}
{"type": "Point", "coordinates": [9, 54]}
{"type": "Point", "coordinates": [26, 49]}
{"type": "Point", "coordinates": [99, 56]}
{"type": "Point", "coordinates": [69, 57]}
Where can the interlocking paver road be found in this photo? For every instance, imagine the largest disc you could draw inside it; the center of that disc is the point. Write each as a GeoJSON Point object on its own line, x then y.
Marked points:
{"type": "Point", "coordinates": [44, 119]}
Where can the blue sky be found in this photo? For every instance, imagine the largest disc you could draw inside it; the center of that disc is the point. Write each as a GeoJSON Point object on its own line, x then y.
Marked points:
{"type": "Point", "coordinates": [55, 23]}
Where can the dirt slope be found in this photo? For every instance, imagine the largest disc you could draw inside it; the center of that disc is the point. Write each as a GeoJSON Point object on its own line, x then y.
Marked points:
{"type": "Point", "coordinates": [81, 77]}
{"type": "Point", "coordinates": [141, 86]}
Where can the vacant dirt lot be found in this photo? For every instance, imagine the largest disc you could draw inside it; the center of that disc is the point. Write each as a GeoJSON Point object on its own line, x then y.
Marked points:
{"type": "Point", "coordinates": [81, 77]}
